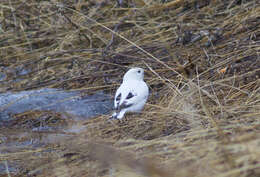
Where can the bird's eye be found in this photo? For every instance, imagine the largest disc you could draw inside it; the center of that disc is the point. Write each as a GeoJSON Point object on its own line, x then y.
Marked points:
{"type": "Point", "coordinates": [139, 71]}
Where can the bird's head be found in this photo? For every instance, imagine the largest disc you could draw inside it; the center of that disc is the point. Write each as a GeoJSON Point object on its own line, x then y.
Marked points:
{"type": "Point", "coordinates": [134, 74]}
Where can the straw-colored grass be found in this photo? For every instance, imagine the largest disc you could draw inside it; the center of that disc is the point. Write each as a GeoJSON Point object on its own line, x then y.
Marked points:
{"type": "Point", "coordinates": [202, 66]}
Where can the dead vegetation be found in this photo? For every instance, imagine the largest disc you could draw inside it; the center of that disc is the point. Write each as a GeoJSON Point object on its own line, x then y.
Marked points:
{"type": "Point", "coordinates": [202, 64]}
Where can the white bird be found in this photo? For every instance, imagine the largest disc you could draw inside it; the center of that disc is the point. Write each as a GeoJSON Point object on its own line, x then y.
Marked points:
{"type": "Point", "coordinates": [132, 94]}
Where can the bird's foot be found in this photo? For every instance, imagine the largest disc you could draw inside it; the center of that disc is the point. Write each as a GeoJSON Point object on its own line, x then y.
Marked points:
{"type": "Point", "coordinates": [121, 121]}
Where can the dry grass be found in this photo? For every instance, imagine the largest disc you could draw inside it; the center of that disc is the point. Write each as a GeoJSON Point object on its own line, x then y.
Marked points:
{"type": "Point", "coordinates": [202, 64]}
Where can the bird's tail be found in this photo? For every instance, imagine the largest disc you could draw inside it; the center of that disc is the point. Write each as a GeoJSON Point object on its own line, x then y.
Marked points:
{"type": "Point", "coordinates": [114, 115]}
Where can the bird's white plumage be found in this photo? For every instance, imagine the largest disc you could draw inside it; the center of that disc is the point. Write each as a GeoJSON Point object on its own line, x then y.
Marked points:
{"type": "Point", "coordinates": [132, 94]}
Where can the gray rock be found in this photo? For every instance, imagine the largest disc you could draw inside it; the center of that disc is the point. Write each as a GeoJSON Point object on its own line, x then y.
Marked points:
{"type": "Point", "coordinates": [70, 102]}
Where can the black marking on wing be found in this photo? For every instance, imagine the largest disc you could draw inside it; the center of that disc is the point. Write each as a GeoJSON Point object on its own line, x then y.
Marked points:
{"type": "Point", "coordinates": [124, 105]}
{"type": "Point", "coordinates": [130, 95]}
{"type": "Point", "coordinates": [118, 97]}
{"type": "Point", "coordinates": [117, 101]}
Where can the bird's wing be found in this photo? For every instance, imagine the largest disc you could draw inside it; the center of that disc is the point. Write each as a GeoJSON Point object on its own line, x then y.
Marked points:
{"type": "Point", "coordinates": [128, 100]}
{"type": "Point", "coordinates": [118, 97]}
{"type": "Point", "coordinates": [138, 92]}
{"type": "Point", "coordinates": [123, 93]}
{"type": "Point", "coordinates": [131, 93]}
